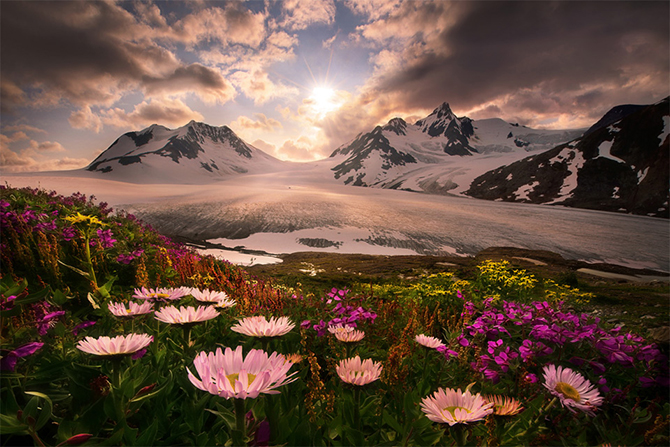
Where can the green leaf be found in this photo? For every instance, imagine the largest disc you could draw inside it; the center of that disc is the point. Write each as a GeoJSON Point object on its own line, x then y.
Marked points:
{"type": "Point", "coordinates": [75, 269]}
{"type": "Point", "coordinates": [45, 412]}
{"type": "Point", "coordinates": [10, 425]}
{"type": "Point", "coordinates": [391, 421]}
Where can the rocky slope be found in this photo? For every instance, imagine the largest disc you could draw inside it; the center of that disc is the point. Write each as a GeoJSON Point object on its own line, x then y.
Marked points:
{"type": "Point", "coordinates": [620, 164]}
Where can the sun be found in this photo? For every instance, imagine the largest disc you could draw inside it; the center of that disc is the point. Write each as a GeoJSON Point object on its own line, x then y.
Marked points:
{"type": "Point", "coordinates": [324, 100]}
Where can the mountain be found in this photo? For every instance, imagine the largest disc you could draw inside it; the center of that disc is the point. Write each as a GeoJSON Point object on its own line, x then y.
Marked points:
{"type": "Point", "coordinates": [193, 153]}
{"type": "Point", "coordinates": [620, 164]}
{"type": "Point", "coordinates": [438, 154]}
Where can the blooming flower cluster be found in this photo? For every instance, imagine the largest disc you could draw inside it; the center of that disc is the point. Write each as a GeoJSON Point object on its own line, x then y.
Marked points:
{"type": "Point", "coordinates": [128, 258]}
{"type": "Point", "coordinates": [345, 314]}
{"type": "Point", "coordinates": [448, 406]}
{"type": "Point", "coordinates": [549, 328]}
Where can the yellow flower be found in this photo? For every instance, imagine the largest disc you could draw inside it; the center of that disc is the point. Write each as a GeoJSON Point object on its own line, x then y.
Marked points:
{"type": "Point", "coordinates": [79, 218]}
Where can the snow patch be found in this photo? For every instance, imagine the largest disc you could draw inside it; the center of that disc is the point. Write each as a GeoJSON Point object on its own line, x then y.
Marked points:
{"type": "Point", "coordinates": [642, 174]}
{"type": "Point", "coordinates": [605, 148]}
{"type": "Point", "coordinates": [523, 191]}
{"type": "Point", "coordinates": [509, 177]}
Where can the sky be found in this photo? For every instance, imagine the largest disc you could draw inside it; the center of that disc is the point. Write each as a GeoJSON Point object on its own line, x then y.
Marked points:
{"type": "Point", "coordinates": [299, 78]}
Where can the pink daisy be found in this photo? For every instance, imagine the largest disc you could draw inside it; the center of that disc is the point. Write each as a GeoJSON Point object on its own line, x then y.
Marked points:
{"type": "Point", "coordinates": [186, 315]}
{"type": "Point", "coordinates": [116, 346]}
{"type": "Point", "coordinates": [229, 374]}
{"type": "Point", "coordinates": [120, 310]}
{"type": "Point", "coordinates": [572, 389]}
{"type": "Point", "coordinates": [428, 342]}
{"type": "Point", "coordinates": [447, 406]}
{"type": "Point", "coordinates": [259, 326]}
{"type": "Point", "coordinates": [357, 372]}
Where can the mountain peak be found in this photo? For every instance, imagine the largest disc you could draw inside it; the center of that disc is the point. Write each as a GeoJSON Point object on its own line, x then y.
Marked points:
{"type": "Point", "coordinates": [397, 126]}
{"type": "Point", "coordinates": [444, 111]}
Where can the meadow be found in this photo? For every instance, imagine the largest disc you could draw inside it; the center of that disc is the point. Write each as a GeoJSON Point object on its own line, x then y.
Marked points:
{"type": "Point", "coordinates": [113, 334]}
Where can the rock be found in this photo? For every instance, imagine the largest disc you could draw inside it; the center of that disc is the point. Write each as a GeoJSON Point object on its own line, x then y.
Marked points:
{"type": "Point", "coordinates": [660, 334]}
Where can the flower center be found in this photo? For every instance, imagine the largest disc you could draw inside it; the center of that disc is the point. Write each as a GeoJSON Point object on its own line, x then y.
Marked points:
{"type": "Point", "coordinates": [568, 391]}
{"type": "Point", "coordinates": [235, 376]}
{"type": "Point", "coordinates": [161, 295]}
{"type": "Point", "coordinates": [452, 410]}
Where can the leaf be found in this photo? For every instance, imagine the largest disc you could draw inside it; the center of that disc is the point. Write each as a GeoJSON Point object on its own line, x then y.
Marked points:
{"type": "Point", "coordinates": [391, 421]}
{"type": "Point", "coordinates": [10, 425]}
{"type": "Point", "coordinates": [45, 412]}
{"type": "Point", "coordinates": [92, 301]}
{"type": "Point", "coordinates": [75, 269]}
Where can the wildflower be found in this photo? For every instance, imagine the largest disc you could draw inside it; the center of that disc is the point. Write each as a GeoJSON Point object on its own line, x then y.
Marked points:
{"type": "Point", "coordinates": [220, 299]}
{"type": "Point", "coordinates": [78, 439]}
{"type": "Point", "coordinates": [120, 310]}
{"type": "Point", "coordinates": [229, 374]}
{"type": "Point", "coordinates": [447, 406]}
{"type": "Point", "coordinates": [186, 315]}
{"type": "Point", "coordinates": [428, 342]}
{"type": "Point", "coordinates": [6, 303]}
{"type": "Point", "coordinates": [8, 361]}
{"type": "Point", "coordinates": [504, 405]}
{"type": "Point", "coordinates": [160, 294]}
{"type": "Point", "coordinates": [82, 325]}
{"type": "Point", "coordinates": [346, 334]}
{"type": "Point", "coordinates": [259, 326]}
{"type": "Point", "coordinates": [305, 324]}
{"type": "Point", "coordinates": [448, 353]}
{"type": "Point", "coordinates": [357, 372]}
{"type": "Point", "coordinates": [47, 321]}
{"type": "Point", "coordinates": [106, 238]}
{"type": "Point", "coordinates": [572, 389]}
{"type": "Point", "coordinates": [117, 346]}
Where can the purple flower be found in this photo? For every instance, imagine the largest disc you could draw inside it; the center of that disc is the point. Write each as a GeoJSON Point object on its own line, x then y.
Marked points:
{"type": "Point", "coordinates": [69, 233]}
{"type": "Point", "coordinates": [8, 361]}
{"type": "Point", "coordinates": [531, 378]}
{"type": "Point", "coordinates": [106, 238]}
{"type": "Point", "coordinates": [305, 324]}
{"type": "Point", "coordinates": [80, 326]}
{"type": "Point", "coordinates": [6, 303]}
{"type": "Point", "coordinates": [45, 323]}
{"type": "Point", "coordinates": [139, 354]}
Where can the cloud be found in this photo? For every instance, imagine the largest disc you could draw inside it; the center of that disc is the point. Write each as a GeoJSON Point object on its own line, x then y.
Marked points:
{"type": "Point", "coordinates": [262, 122]}
{"type": "Point", "coordinates": [231, 24]}
{"type": "Point", "coordinates": [168, 112]}
{"type": "Point", "coordinates": [35, 157]}
{"type": "Point", "coordinates": [206, 83]}
{"type": "Point", "coordinates": [257, 85]}
{"type": "Point", "coordinates": [23, 128]}
{"type": "Point", "coordinates": [84, 118]}
{"type": "Point", "coordinates": [373, 9]}
{"type": "Point", "coordinates": [92, 53]}
{"type": "Point", "coordinates": [541, 57]}
{"type": "Point", "coordinates": [46, 146]}
{"type": "Point", "coordinates": [302, 149]}
{"type": "Point", "coordinates": [300, 14]}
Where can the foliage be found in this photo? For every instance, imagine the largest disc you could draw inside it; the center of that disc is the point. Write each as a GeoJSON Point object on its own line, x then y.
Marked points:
{"type": "Point", "coordinates": [64, 259]}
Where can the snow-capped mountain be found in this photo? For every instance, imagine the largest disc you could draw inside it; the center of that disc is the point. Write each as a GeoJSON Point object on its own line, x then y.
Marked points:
{"type": "Point", "coordinates": [193, 153]}
{"type": "Point", "coordinates": [440, 153]}
{"type": "Point", "coordinates": [620, 164]}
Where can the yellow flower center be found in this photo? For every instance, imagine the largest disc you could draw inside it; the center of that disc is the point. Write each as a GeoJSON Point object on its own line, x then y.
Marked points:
{"type": "Point", "coordinates": [452, 410]}
{"type": "Point", "coordinates": [235, 376]}
{"type": "Point", "coordinates": [160, 295]}
{"type": "Point", "coordinates": [568, 391]}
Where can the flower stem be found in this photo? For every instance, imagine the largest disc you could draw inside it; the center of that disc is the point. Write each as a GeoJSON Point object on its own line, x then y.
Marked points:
{"type": "Point", "coordinates": [357, 408]}
{"type": "Point", "coordinates": [459, 434]}
{"type": "Point", "coordinates": [240, 425]}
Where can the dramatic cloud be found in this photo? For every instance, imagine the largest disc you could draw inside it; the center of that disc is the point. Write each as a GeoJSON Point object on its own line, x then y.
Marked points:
{"type": "Point", "coordinates": [543, 56]}
{"type": "Point", "coordinates": [306, 76]}
{"type": "Point", "coordinates": [300, 14]}
{"type": "Point", "coordinates": [168, 112]}
{"type": "Point", "coordinates": [262, 122]}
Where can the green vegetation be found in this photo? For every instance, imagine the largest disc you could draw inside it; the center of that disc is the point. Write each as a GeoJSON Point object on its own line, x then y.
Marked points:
{"type": "Point", "coordinates": [71, 269]}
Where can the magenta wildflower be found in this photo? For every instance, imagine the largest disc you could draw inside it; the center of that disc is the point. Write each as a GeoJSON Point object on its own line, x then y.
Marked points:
{"type": "Point", "coordinates": [80, 326]}
{"type": "Point", "coordinates": [9, 360]}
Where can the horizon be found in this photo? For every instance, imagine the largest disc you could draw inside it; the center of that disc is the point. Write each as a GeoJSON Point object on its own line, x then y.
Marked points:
{"type": "Point", "coordinates": [297, 79]}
